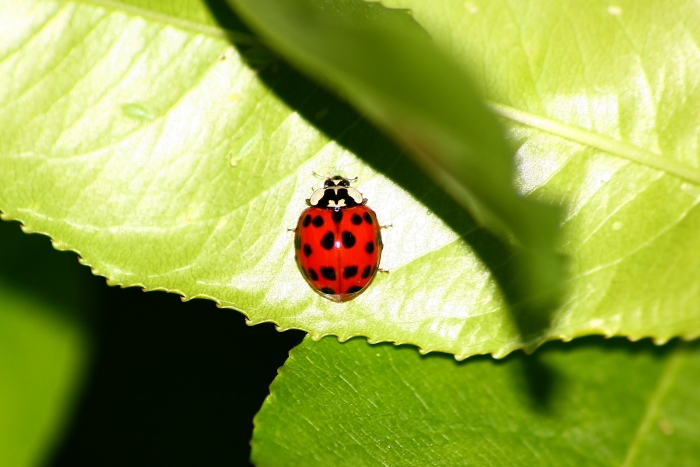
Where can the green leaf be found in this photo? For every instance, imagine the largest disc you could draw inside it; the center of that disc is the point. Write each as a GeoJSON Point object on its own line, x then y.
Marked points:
{"type": "Point", "coordinates": [137, 135]}
{"type": "Point", "coordinates": [388, 67]}
{"type": "Point", "coordinates": [42, 348]}
{"type": "Point", "coordinates": [588, 403]}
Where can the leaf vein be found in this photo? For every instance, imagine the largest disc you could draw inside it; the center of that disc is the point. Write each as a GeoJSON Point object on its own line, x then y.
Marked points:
{"type": "Point", "coordinates": [234, 36]}
{"type": "Point", "coordinates": [671, 370]}
{"type": "Point", "coordinates": [615, 147]}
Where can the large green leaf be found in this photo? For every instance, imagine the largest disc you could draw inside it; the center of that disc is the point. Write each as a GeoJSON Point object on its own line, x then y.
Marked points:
{"type": "Point", "coordinates": [135, 134]}
{"type": "Point", "coordinates": [589, 403]}
{"type": "Point", "coordinates": [42, 345]}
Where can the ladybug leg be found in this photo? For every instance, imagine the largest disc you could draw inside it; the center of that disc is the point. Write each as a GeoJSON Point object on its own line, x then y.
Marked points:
{"type": "Point", "coordinates": [291, 230]}
{"type": "Point", "coordinates": [386, 226]}
{"type": "Point", "coordinates": [384, 271]}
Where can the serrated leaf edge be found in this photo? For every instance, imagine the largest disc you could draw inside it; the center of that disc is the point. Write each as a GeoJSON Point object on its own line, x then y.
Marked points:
{"type": "Point", "coordinates": [498, 354]}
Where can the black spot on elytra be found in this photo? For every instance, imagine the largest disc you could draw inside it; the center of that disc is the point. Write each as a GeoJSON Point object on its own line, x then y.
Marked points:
{"type": "Point", "coordinates": [337, 216]}
{"type": "Point", "coordinates": [366, 272]}
{"type": "Point", "coordinates": [307, 250]}
{"type": "Point", "coordinates": [328, 291]}
{"type": "Point", "coordinates": [318, 221]}
{"type": "Point", "coordinates": [356, 219]}
{"type": "Point", "coordinates": [306, 221]}
{"type": "Point", "coordinates": [369, 247]}
{"type": "Point", "coordinates": [350, 271]}
{"type": "Point", "coordinates": [348, 239]}
{"type": "Point", "coordinates": [297, 242]}
{"type": "Point", "coordinates": [354, 289]}
{"type": "Point", "coordinates": [368, 218]}
{"type": "Point", "coordinates": [328, 273]}
{"type": "Point", "coordinates": [328, 240]}
{"type": "Point", "coordinates": [313, 275]}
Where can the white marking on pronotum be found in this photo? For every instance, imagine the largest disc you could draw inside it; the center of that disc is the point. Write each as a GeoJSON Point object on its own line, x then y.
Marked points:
{"type": "Point", "coordinates": [352, 193]}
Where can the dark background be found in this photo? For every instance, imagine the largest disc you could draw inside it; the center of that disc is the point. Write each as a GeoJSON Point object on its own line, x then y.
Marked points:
{"type": "Point", "coordinates": [170, 383]}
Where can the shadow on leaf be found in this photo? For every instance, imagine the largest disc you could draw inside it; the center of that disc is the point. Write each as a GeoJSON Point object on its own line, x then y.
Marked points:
{"type": "Point", "coordinates": [343, 124]}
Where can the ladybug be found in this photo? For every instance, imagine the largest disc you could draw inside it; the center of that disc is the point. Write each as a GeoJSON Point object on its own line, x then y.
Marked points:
{"type": "Point", "coordinates": [338, 243]}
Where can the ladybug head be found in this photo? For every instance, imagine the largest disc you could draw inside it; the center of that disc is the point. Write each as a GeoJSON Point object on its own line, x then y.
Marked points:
{"type": "Point", "coordinates": [336, 180]}
{"type": "Point", "coordinates": [336, 194]}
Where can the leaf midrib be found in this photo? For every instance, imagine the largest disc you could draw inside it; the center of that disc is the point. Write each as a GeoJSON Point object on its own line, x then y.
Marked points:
{"type": "Point", "coordinates": [214, 31]}
{"type": "Point", "coordinates": [612, 146]}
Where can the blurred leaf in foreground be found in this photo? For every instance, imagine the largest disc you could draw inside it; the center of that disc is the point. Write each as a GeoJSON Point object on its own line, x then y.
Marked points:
{"type": "Point", "coordinates": [42, 345]}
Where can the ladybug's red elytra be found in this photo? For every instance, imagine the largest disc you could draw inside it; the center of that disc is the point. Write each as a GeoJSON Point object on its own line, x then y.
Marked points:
{"type": "Point", "coordinates": [338, 243]}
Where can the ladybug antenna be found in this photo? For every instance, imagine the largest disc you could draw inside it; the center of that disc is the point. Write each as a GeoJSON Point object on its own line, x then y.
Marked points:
{"type": "Point", "coordinates": [322, 177]}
